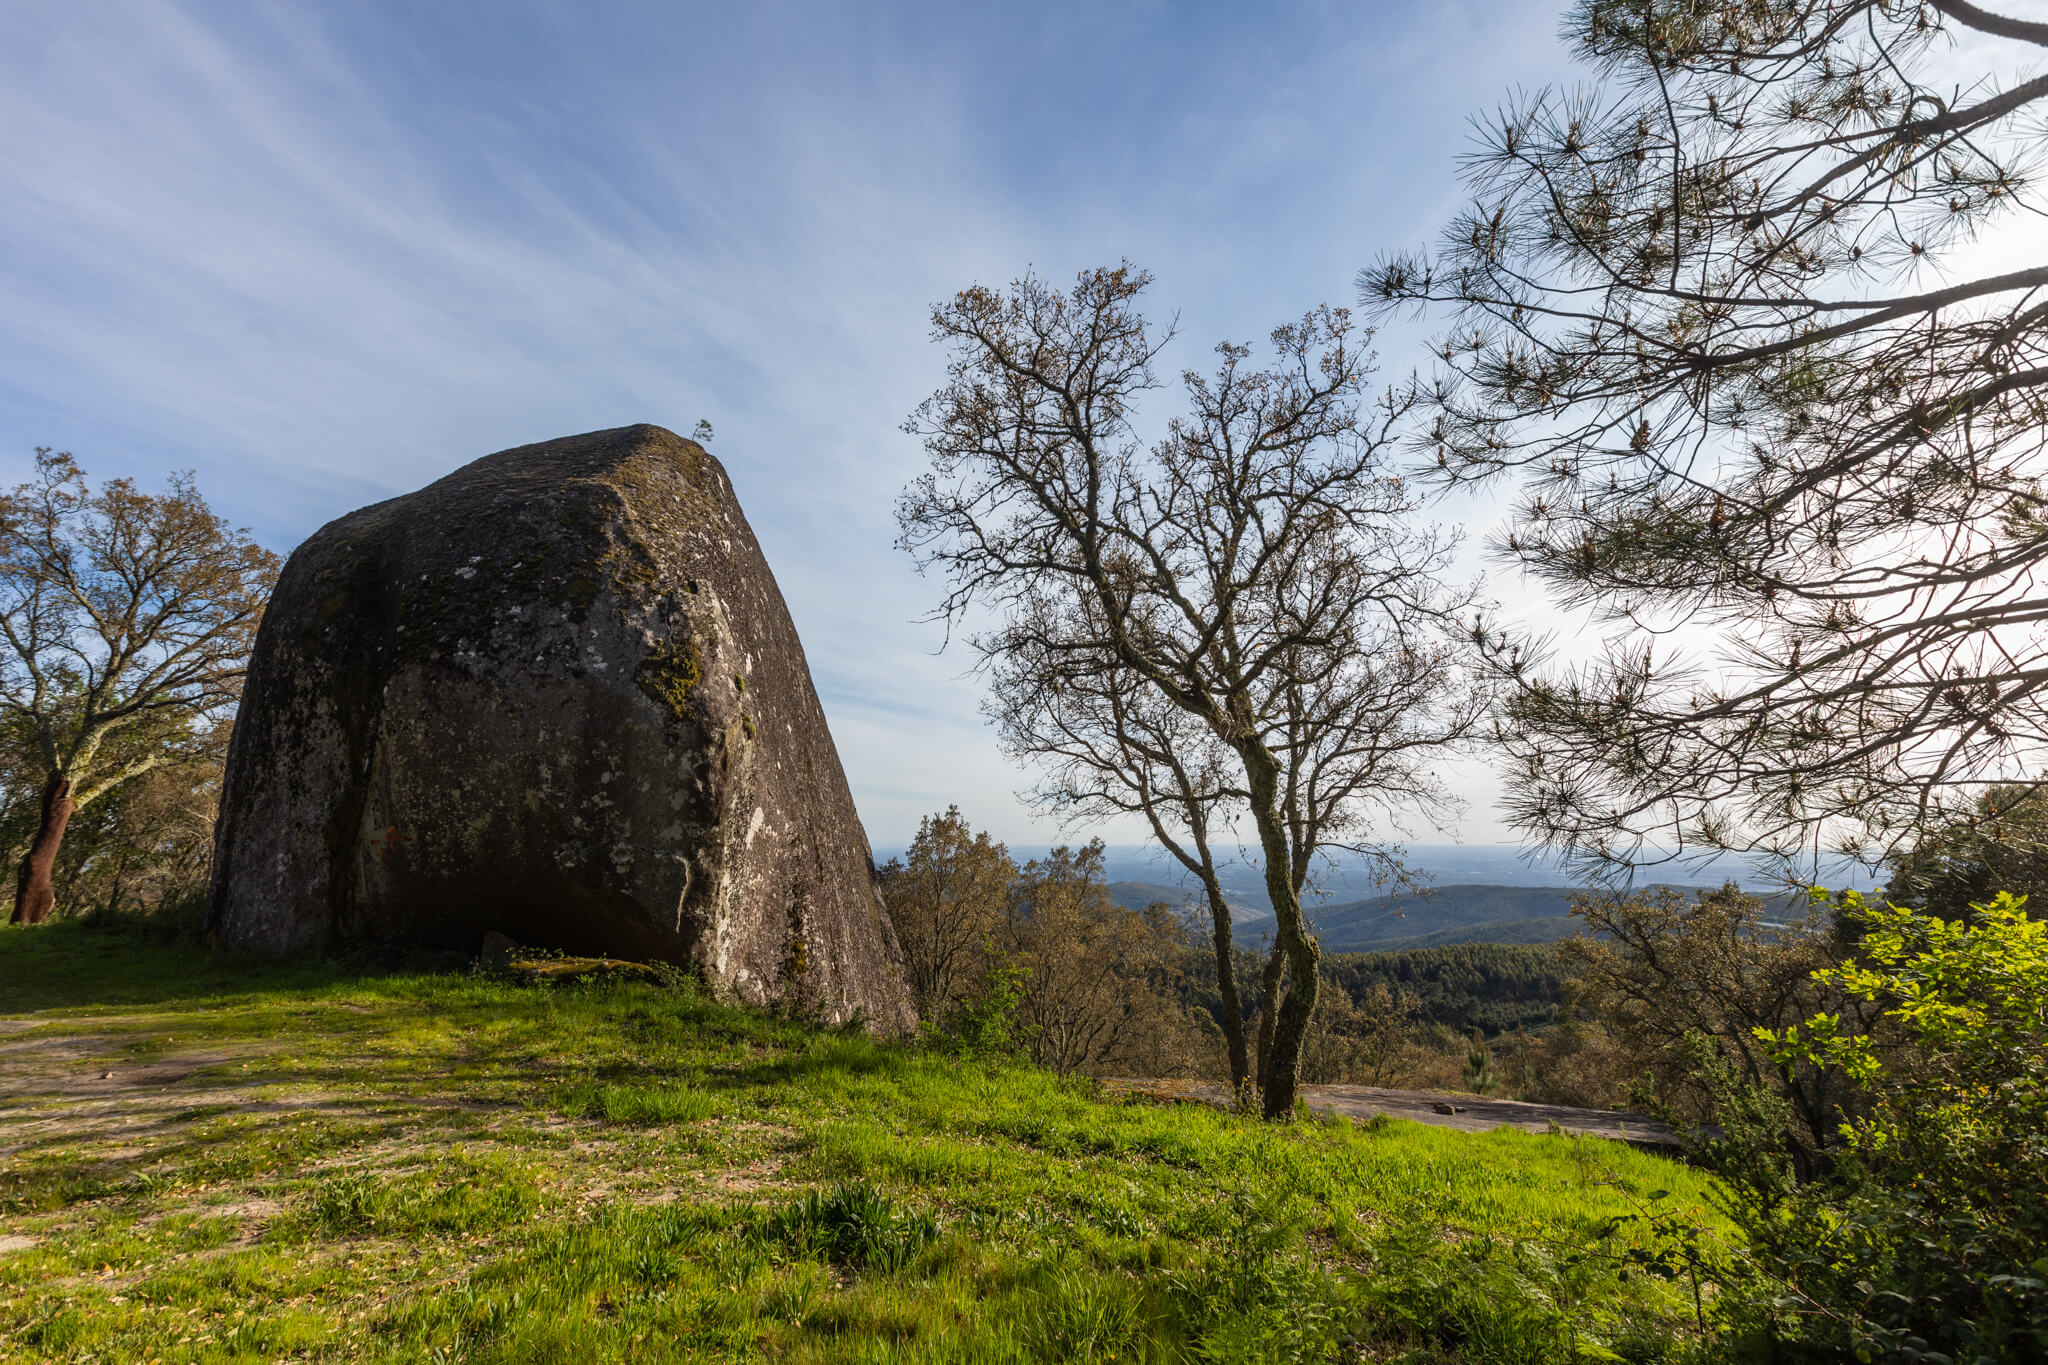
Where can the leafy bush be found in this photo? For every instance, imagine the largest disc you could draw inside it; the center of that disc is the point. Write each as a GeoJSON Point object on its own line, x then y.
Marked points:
{"type": "Point", "coordinates": [1669, 974]}
{"type": "Point", "coordinates": [1477, 1301]}
{"type": "Point", "coordinates": [1921, 1237]}
{"type": "Point", "coordinates": [1929, 1237]}
{"type": "Point", "coordinates": [984, 1025]}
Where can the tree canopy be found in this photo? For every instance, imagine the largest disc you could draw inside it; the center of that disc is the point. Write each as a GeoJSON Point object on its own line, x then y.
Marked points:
{"type": "Point", "coordinates": [1777, 418]}
{"type": "Point", "coordinates": [126, 618]}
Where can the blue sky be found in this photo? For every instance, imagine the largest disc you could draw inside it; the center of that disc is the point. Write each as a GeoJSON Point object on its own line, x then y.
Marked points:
{"type": "Point", "coordinates": [323, 254]}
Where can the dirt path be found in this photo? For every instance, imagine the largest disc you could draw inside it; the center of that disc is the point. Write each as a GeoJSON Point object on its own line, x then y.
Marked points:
{"type": "Point", "coordinates": [119, 1086]}
{"type": "Point", "coordinates": [1472, 1113]}
{"type": "Point", "coordinates": [93, 1086]}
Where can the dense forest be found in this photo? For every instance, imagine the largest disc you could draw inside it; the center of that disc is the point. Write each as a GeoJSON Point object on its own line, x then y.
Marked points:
{"type": "Point", "coordinates": [1493, 987]}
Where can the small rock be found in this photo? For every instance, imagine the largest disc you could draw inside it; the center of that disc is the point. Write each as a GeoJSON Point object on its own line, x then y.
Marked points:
{"type": "Point", "coordinates": [1443, 1108]}
{"type": "Point", "coordinates": [496, 954]}
{"type": "Point", "coordinates": [562, 969]}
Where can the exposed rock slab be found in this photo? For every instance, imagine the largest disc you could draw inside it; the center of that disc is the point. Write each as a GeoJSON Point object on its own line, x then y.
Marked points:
{"type": "Point", "coordinates": [555, 695]}
{"type": "Point", "coordinates": [1440, 1109]}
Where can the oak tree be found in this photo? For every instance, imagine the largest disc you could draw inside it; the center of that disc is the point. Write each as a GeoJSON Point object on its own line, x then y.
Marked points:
{"type": "Point", "coordinates": [1256, 567]}
{"type": "Point", "coordinates": [126, 620]}
{"type": "Point", "coordinates": [1097, 980]}
{"type": "Point", "coordinates": [948, 896]}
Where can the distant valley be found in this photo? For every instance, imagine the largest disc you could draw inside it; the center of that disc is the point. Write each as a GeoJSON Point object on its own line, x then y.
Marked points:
{"type": "Point", "coordinates": [1434, 917]}
{"type": "Point", "coordinates": [1387, 923]}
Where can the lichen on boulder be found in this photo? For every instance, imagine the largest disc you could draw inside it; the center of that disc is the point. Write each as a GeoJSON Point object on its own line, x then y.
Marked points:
{"type": "Point", "coordinates": [554, 695]}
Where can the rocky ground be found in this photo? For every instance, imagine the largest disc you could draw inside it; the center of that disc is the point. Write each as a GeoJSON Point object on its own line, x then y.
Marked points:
{"type": "Point", "coordinates": [1439, 1109]}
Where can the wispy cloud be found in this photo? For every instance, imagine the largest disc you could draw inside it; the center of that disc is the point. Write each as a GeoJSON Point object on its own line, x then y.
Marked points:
{"type": "Point", "coordinates": [325, 254]}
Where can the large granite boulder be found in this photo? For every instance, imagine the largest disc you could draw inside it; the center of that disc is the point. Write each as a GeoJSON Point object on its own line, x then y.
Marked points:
{"type": "Point", "coordinates": [555, 695]}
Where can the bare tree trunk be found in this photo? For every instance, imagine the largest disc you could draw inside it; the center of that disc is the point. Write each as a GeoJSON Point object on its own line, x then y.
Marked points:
{"type": "Point", "coordinates": [1226, 986]}
{"type": "Point", "coordinates": [1269, 1008]}
{"type": "Point", "coordinates": [34, 897]}
{"type": "Point", "coordinates": [1291, 1021]}
{"type": "Point", "coordinates": [1289, 1018]}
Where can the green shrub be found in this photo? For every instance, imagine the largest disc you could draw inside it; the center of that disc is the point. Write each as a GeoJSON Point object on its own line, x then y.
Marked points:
{"type": "Point", "coordinates": [1470, 1301]}
{"type": "Point", "coordinates": [1479, 1075]}
{"type": "Point", "coordinates": [857, 1225]}
{"type": "Point", "coordinates": [1927, 1237]}
{"type": "Point", "coordinates": [1260, 1298]}
{"type": "Point", "coordinates": [984, 1026]}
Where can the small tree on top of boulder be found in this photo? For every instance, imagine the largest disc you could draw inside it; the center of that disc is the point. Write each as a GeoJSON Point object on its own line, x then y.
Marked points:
{"type": "Point", "coordinates": [124, 616]}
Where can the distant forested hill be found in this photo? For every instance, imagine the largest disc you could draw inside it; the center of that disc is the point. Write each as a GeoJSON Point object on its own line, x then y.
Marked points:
{"type": "Point", "coordinates": [1246, 919]}
{"type": "Point", "coordinates": [1445, 914]}
{"type": "Point", "coordinates": [1434, 918]}
{"type": "Point", "coordinates": [1491, 986]}
{"type": "Point", "coordinates": [1547, 929]}
{"type": "Point", "coordinates": [1414, 919]}
{"type": "Point", "coordinates": [1138, 895]}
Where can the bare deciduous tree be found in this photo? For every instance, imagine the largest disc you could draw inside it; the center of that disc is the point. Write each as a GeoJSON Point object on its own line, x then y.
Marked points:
{"type": "Point", "coordinates": [147, 844]}
{"type": "Point", "coordinates": [126, 617]}
{"type": "Point", "coordinates": [1042, 952]}
{"type": "Point", "coordinates": [1715, 313]}
{"type": "Point", "coordinates": [1112, 746]}
{"type": "Point", "coordinates": [1359, 1041]}
{"type": "Point", "coordinates": [1660, 968]}
{"type": "Point", "coordinates": [1256, 568]}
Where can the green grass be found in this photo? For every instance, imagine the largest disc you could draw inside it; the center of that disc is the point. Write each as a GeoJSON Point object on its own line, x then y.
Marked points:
{"type": "Point", "coordinates": [304, 1162]}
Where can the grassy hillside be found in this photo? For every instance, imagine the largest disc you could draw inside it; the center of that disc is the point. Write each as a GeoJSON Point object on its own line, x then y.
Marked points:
{"type": "Point", "coordinates": [223, 1161]}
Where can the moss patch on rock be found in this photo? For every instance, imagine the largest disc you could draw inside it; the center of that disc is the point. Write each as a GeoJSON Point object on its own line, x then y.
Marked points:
{"type": "Point", "coordinates": [669, 674]}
